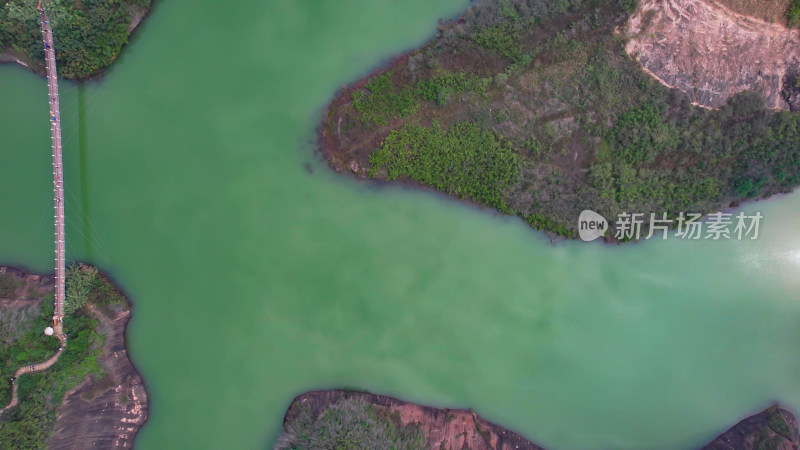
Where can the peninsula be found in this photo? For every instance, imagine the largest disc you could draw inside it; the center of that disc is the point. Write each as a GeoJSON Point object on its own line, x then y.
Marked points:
{"type": "Point", "coordinates": [544, 109]}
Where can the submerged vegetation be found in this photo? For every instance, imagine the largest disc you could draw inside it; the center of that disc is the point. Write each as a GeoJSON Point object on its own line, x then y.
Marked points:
{"type": "Point", "coordinates": [535, 109]}
{"type": "Point", "coordinates": [89, 34]}
{"type": "Point", "coordinates": [349, 424]}
{"type": "Point", "coordinates": [22, 342]}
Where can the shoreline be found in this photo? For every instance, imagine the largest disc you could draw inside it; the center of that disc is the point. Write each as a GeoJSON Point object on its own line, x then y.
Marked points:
{"type": "Point", "coordinates": [464, 428]}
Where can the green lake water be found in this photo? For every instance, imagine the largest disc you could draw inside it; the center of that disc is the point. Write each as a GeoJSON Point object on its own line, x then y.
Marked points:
{"type": "Point", "coordinates": [255, 280]}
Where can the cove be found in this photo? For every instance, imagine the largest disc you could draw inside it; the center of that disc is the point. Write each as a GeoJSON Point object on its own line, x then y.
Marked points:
{"type": "Point", "coordinates": [254, 280]}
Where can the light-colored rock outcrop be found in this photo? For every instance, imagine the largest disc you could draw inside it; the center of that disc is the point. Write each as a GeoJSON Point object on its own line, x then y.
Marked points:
{"type": "Point", "coordinates": [712, 53]}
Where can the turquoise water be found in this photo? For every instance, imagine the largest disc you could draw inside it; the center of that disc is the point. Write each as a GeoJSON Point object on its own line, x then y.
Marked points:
{"type": "Point", "coordinates": [255, 280]}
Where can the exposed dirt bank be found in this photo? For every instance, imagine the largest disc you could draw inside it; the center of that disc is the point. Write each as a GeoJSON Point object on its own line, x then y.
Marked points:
{"type": "Point", "coordinates": [711, 52]}
{"type": "Point", "coordinates": [104, 412]}
{"type": "Point", "coordinates": [443, 428]}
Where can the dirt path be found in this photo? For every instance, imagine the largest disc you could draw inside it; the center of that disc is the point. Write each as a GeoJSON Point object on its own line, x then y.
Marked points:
{"type": "Point", "coordinates": [32, 368]}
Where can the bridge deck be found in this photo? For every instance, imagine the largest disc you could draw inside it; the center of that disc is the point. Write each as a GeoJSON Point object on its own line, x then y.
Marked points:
{"type": "Point", "coordinates": [58, 173]}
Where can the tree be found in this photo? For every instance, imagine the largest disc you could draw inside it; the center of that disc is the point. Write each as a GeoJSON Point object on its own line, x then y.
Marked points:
{"type": "Point", "coordinates": [348, 424]}
{"type": "Point", "coordinates": [80, 281]}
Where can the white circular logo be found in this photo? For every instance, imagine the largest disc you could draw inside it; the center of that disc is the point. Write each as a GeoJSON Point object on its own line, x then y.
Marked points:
{"type": "Point", "coordinates": [591, 225]}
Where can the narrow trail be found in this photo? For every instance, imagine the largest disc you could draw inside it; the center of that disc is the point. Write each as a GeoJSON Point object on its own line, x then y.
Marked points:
{"type": "Point", "coordinates": [32, 368]}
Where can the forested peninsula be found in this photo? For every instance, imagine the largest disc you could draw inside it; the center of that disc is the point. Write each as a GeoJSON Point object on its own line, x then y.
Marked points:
{"type": "Point", "coordinates": [534, 108]}
{"type": "Point", "coordinates": [326, 419]}
{"type": "Point", "coordinates": [93, 396]}
{"type": "Point", "coordinates": [89, 34]}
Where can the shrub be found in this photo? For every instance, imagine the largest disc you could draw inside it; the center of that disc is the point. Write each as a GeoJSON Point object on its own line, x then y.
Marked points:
{"type": "Point", "coordinates": [79, 283]}
{"type": "Point", "coordinates": [500, 79]}
{"type": "Point", "coordinates": [501, 39]}
{"type": "Point", "coordinates": [348, 424]}
{"type": "Point", "coordinates": [384, 101]}
{"type": "Point", "coordinates": [464, 161]}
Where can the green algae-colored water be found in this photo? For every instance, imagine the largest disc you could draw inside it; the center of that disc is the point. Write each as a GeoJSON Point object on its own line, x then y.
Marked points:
{"type": "Point", "coordinates": [255, 280]}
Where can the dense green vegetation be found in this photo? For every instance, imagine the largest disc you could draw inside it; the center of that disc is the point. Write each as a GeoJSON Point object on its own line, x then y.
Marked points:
{"type": "Point", "coordinates": [774, 434]}
{"type": "Point", "coordinates": [89, 34]}
{"type": "Point", "coordinates": [464, 161]}
{"type": "Point", "coordinates": [793, 14]}
{"type": "Point", "coordinates": [349, 424]}
{"type": "Point", "coordinates": [385, 100]}
{"type": "Point", "coordinates": [29, 424]}
{"type": "Point", "coordinates": [534, 108]}
{"type": "Point", "coordinates": [777, 423]}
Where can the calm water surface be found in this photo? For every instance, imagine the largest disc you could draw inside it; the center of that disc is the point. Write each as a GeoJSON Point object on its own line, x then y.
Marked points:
{"type": "Point", "coordinates": [255, 280]}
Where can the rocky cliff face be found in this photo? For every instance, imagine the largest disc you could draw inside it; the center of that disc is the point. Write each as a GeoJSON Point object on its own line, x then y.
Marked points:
{"type": "Point", "coordinates": [711, 53]}
{"type": "Point", "coordinates": [108, 411]}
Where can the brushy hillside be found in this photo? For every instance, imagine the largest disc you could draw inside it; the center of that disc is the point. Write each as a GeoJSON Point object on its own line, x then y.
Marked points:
{"type": "Point", "coordinates": [533, 108]}
{"type": "Point", "coordinates": [88, 34]}
{"type": "Point", "coordinates": [348, 424]}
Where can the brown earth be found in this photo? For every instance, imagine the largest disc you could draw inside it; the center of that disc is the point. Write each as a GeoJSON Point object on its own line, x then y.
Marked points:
{"type": "Point", "coordinates": [98, 413]}
{"type": "Point", "coordinates": [443, 428]}
{"type": "Point", "coordinates": [711, 52]}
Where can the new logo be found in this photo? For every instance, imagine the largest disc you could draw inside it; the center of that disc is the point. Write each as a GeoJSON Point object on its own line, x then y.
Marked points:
{"type": "Point", "coordinates": [591, 225]}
